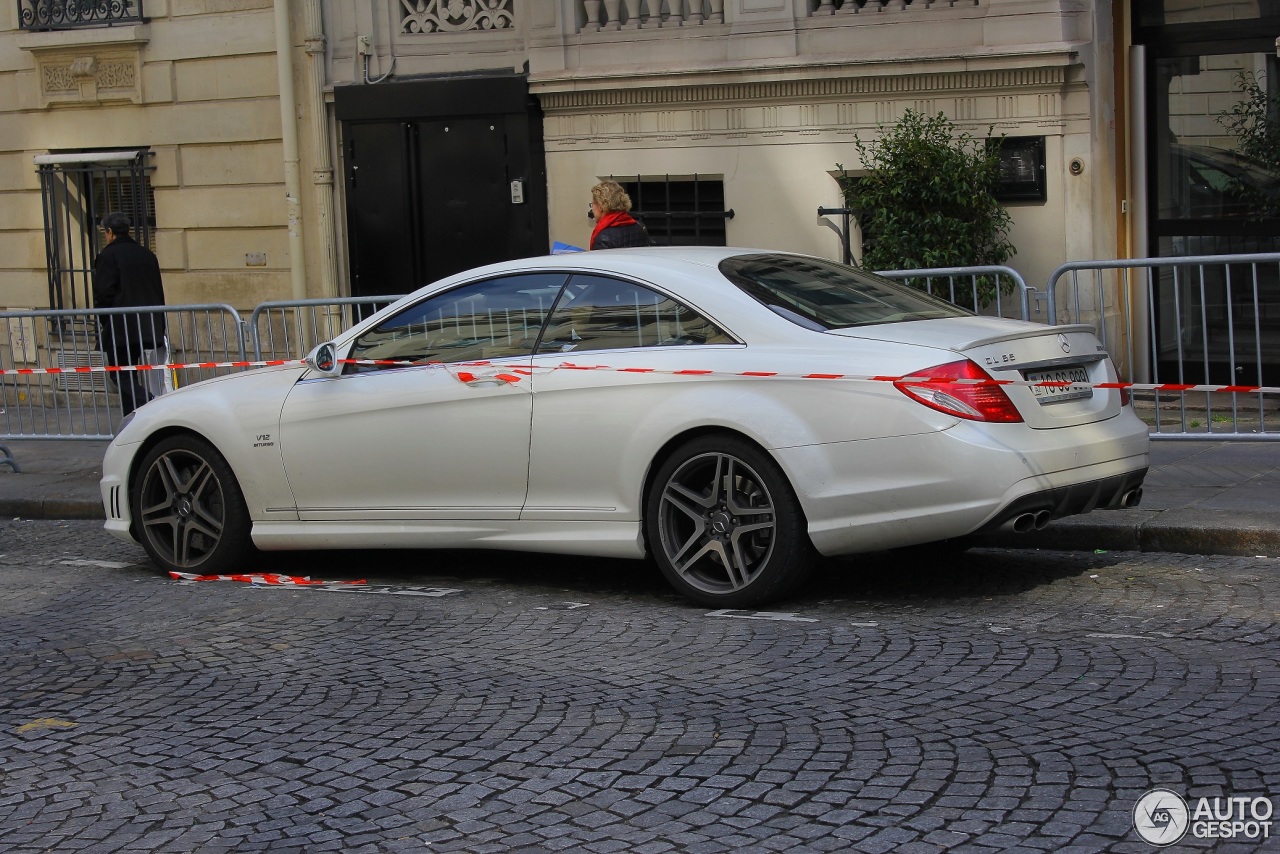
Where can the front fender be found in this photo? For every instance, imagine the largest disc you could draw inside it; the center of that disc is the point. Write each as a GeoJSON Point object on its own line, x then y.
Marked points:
{"type": "Point", "coordinates": [239, 415]}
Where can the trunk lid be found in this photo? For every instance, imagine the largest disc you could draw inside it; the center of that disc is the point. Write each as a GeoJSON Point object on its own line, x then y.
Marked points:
{"type": "Point", "coordinates": [1021, 351]}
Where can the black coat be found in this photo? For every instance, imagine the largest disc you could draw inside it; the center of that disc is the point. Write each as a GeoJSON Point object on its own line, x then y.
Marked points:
{"type": "Point", "coordinates": [622, 237]}
{"type": "Point", "coordinates": [125, 273]}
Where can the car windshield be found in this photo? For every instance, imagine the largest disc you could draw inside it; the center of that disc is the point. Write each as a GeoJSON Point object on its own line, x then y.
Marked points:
{"type": "Point", "coordinates": [823, 295]}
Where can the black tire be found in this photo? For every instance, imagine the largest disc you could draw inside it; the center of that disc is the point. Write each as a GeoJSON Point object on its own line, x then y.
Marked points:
{"type": "Point", "coordinates": [188, 508]}
{"type": "Point", "coordinates": [724, 525]}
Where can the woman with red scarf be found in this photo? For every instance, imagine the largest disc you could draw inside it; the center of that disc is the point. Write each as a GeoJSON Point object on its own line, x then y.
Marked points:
{"type": "Point", "coordinates": [615, 228]}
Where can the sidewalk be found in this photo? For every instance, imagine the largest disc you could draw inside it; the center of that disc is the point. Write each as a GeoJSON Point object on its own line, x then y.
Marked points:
{"type": "Point", "coordinates": [1201, 497]}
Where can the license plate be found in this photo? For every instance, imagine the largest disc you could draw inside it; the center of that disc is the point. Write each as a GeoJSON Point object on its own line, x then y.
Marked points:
{"type": "Point", "coordinates": [1058, 394]}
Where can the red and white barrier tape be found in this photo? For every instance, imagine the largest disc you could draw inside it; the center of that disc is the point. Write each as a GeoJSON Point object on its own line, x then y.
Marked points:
{"type": "Point", "coordinates": [98, 369]}
{"type": "Point", "coordinates": [514, 373]}
{"type": "Point", "coordinates": [264, 578]}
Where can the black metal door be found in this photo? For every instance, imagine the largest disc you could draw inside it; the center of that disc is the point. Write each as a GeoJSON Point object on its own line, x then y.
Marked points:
{"type": "Point", "coordinates": [466, 195]}
{"type": "Point", "coordinates": [381, 208]}
{"type": "Point", "coordinates": [429, 168]}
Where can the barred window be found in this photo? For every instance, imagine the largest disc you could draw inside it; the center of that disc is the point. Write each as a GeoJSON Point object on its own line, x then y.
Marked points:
{"type": "Point", "coordinates": [680, 212]}
{"type": "Point", "coordinates": [79, 189]}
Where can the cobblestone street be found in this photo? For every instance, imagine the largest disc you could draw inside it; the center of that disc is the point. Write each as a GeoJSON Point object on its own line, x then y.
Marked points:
{"type": "Point", "coordinates": [996, 700]}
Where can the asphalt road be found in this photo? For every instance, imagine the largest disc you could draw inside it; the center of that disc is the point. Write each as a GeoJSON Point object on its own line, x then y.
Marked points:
{"type": "Point", "coordinates": [1002, 700]}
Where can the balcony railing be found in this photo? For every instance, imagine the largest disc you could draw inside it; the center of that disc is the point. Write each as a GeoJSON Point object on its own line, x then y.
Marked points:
{"type": "Point", "coordinates": [604, 15]}
{"type": "Point", "coordinates": [71, 14]}
{"type": "Point", "coordinates": [634, 14]}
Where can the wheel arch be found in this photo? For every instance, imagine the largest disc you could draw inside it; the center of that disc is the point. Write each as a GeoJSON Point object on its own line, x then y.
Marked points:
{"type": "Point", "coordinates": [144, 448]}
{"type": "Point", "coordinates": [669, 447]}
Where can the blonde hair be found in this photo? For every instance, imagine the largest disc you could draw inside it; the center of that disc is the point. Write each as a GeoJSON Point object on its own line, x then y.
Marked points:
{"type": "Point", "coordinates": [610, 196]}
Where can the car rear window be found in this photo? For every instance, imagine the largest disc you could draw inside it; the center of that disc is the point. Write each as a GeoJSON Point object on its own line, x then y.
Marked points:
{"type": "Point", "coordinates": [821, 295]}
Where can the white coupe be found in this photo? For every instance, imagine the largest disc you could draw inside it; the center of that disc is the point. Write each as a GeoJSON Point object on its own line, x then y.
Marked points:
{"type": "Point", "coordinates": [733, 414]}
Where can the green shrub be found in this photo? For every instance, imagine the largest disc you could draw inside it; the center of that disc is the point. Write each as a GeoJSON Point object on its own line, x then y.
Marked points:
{"type": "Point", "coordinates": [927, 199]}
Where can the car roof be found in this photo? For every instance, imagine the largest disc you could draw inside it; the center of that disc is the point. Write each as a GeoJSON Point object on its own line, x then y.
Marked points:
{"type": "Point", "coordinates": [625, 261]}
{"type": "Point", "coordinates": [687, 272]}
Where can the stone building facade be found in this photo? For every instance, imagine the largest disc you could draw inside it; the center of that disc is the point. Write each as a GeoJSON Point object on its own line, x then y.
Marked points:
{"type": "Point", "coordinates": [188, 88]}
{"type": "Point", "coordinates": [318, 148]}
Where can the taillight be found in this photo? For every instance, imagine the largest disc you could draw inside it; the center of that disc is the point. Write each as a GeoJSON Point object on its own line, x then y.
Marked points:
{"type": "Point", "coordinates": [975, 401]}
{"type": "Point", "coordinates": [1125, 398]}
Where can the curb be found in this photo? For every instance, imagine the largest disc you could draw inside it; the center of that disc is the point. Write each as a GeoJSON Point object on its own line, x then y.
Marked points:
{"type": "Point", "coordinates": [51, 508]}
{"type": "Point", "coordinates": [1180, 531]}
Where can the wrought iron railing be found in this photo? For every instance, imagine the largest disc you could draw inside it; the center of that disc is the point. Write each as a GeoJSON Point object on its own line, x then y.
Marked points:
{"type": "Point", "coordinates": [72, 14]}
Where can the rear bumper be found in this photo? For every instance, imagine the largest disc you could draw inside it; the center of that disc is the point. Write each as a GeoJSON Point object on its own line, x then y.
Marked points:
{"type": "Point", "coordinates": [908, 490]}
{"type": "Point", "coordinates": [1110, 493]}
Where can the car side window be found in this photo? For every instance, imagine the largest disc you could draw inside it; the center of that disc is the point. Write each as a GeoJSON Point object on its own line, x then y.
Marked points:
{"type": "Point", "coordinates": [601, 313]}
{"type": "Point", "coordinates": [494, 319]}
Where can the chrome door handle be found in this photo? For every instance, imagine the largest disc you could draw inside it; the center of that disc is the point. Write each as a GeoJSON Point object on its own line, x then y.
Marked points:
{"type": "Point", "coordinates": [474, 381]}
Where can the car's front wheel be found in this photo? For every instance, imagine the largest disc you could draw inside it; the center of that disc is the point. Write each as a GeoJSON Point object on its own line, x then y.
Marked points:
{"type": "Point", "coordinates": [190, 513]}
{"type": "Point", "coordinates": [724, 525]}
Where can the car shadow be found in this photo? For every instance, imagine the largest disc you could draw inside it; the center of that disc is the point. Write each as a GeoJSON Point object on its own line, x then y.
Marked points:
{"type": "Point", "coordinates": [916, 575]}
{"type": "Point", "coordinates": [521, 571]}
{"type": "Point", "coordinates": [924, 574]}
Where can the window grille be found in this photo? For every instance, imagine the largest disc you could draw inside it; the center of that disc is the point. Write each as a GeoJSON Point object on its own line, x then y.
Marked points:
{"type": "Point", "coordinates": [77, 190]}
{"type": "Point", "coordinates": [680, 212]}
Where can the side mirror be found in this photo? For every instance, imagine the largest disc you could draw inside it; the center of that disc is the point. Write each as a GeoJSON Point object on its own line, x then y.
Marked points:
{"type": "Point", "coordinates": [324, 360]}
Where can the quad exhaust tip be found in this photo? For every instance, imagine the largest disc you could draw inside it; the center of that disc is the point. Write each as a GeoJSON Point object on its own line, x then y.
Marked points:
{"type": "Point", "coordinates": [1025, 523]}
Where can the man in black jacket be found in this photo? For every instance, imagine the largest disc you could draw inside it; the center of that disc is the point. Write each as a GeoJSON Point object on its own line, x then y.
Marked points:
{"type": "Point", "coordinates": [125, 274]}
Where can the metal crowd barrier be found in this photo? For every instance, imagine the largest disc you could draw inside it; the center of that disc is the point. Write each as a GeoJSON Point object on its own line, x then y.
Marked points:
{"type": "Point", "coordinates": [86, 405]}
{"type": "Point", "coordinates": [288, 330]}
{"type": "Point", "coordinates": [982, 290]}
{"type": "Point", "coordinates": [1211, 319]}
{"type": "Point", "coordinates": [1205, 319]}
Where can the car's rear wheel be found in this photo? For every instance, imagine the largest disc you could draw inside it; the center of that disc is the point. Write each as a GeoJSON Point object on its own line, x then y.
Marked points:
{"type": "Point", "coordinates": [724, 525]}
{"type": "Point", "coordinates": [190, 513]}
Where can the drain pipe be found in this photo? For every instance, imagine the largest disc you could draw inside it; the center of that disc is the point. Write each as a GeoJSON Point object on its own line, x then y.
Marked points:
{"type": "Point", "coordinates": [322, 172]}
{"type": "Point", "coordinates": [289, 140]}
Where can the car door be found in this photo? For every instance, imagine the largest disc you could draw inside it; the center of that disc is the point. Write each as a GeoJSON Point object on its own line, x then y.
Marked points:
{"type": "Point", "coordinates": [414, 428]}
{"type": "Point", "coordinates": [581, 466]}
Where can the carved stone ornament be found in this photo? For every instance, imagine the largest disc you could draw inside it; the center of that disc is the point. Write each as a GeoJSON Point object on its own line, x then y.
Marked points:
{"type": "Point", "coordinates": [89, 65]}
{"type": "Point", "coordinates": [116, 75]}
{"type": "Point", "coordinates": [57, 79]}
{"type": "Point", "coordinates": [455, 16]}
{"type": "Point", "coordinates": [78, 79]}
{"type": "Point", "coordinates": [84, 66]}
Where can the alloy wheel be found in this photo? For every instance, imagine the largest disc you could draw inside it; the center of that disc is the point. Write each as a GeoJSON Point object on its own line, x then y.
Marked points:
{"type": "Point", "coordinates": [183, 508]}
{"type": "Point", "coordinates": [716, 523]}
